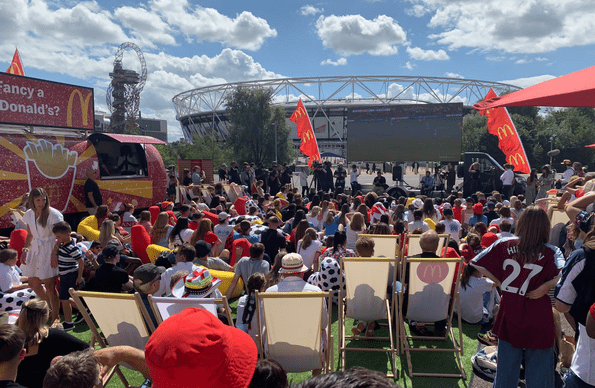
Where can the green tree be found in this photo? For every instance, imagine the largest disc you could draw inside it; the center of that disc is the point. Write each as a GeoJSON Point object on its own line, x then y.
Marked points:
{"type": "Point", "coordinates": [253, 122]}
{"type": "Point", "coordinates": [200, 148]}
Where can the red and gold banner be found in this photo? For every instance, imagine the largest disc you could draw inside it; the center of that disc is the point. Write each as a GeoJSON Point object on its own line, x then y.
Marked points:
{"type": "Point", "coordinates": [309, 146]}
{"type": "Point", "coordinates": [500, 124]}
{"type": "Point", "coordinates": [16, 66]}
{"type": "Point", "coordinates": [31, 101]}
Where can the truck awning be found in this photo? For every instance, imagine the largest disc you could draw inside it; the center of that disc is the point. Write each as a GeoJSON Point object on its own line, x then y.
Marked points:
{"type": "Point", "coordinates": [127, 138]}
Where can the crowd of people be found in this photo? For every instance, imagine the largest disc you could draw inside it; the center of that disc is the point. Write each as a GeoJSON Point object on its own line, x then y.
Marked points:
{"type": "Point", "coordinates": [292, 238]}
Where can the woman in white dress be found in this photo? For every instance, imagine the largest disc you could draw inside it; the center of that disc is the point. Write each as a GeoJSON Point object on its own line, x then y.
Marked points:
{"type": "Point", "coordinates": [39, 261]}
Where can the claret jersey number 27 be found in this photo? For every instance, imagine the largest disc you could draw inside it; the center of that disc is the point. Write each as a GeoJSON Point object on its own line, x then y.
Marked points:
{"type": "Point", "coordinates": [516, 271]}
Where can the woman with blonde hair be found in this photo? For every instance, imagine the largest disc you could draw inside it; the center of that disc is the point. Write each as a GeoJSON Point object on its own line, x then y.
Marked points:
{"type": "Point", "coordinates": [525, 268]}
{"type": "Point", "coordinates": [315, 217]}
{"type": "Point", "coordinates": [42, 343]}
{"type": "Point", "coordinates": [310, 248]}
{"type": "Point", "coordinates": [356, 225]}
{"type": "Point", "coordinates": [39, 259]}
{"type": "Point", "coordinates": [107, 232]}
{"type": "Point", "coordinates": [204, 232]}
{"type": "Point", "coordinates": [161, 230]}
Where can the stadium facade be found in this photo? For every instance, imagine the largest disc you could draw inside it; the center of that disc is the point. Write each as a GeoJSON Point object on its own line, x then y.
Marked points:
{"type": "Point", "coordinates": [202, 111]}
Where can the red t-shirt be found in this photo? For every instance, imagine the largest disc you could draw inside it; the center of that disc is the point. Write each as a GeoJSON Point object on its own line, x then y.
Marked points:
{"type": "Point", "coordinates": [211, 238]}
{"type": "Point", "coordinates": [524, 322]}
{"type": "Point", "coordinates": [457, 213]}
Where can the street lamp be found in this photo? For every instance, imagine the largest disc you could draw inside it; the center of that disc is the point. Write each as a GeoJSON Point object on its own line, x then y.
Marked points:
{"type": "Point", "coordinates": [275, 124]}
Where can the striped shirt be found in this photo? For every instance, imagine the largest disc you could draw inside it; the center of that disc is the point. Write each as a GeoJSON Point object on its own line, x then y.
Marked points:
{"type": "Point", "coordinates": [68, 256]}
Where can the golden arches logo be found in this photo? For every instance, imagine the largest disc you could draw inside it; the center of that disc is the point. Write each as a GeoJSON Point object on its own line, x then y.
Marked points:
{"type": "Point", "coordinates": [84, 107]}
{"type": "Point", "coordinates": [516, 158]}
{"type": "Point", "coordinates": [299, 112]}
{"type": "Point", "coordinates": [15, 69]}
{"type": "Point", "coordinates": [502, 131]}
{"type": "Point", "coordinates": [432, 268]}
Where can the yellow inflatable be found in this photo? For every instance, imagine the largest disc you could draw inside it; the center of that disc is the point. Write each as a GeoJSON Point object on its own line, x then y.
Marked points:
{"type": "Point", "coordinates": [226, 278]}
{"type": "Point", "coordinates": [154, 250]}
{"type": "Point", "coordinates": [88, 227]}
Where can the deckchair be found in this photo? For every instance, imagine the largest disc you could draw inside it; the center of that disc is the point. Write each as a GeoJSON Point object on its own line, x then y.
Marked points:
{"type": "Point", "coordinates": [429, 286]}
{"type": "Point", "coordinates": [293, 336]}
{"type": "Point", "coordinates": [413, 247]}
{"type": "Point", "coordinates": [164, 308]}
{"type": "Point", "coordinates": [386, 245]}
{"type": "Point", "coordinates": [365, 298]}
{"type": "Point", "coordinates": [206, 196]}
{"type": "Point", "coordinates": [119, 319]}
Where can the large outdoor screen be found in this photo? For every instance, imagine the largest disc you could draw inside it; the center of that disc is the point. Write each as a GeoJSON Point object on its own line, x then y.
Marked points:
{"type": "Point", "coordinates": [405, 133]}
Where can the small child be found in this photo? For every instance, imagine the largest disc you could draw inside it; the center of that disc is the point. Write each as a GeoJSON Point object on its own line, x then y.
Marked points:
{"type": "Point", "coordinates": [90, 253]}
{"type": "Point", "coordinates": [478, 297]}
{"type": "Point", "coordinates": [14, 293]}
{"type": "Point", "coordinates": [70, 269]}
{"type": "Point", "coordinates": [246, 320]}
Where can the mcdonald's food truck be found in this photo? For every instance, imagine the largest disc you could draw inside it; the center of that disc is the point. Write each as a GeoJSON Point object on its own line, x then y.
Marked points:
{"type": "Point", "coordinates": [44, 142]}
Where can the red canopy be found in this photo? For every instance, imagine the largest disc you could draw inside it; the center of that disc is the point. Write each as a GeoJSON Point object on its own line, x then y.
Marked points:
{"type": "Point", "coordinates": [571, 90]}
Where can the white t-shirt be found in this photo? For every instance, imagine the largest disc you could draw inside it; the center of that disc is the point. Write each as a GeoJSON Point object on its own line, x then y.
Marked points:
{"type": "Point", "coordinates": [507, 177]}
{"type": "Point", "coordinates": [417, 224]}
{"type": "Point", "coordinates": [583, 361]}
{"type": "Point", "coordinates": [453, 227]}
{"type": "Point", "coordinates": [186, 235]}
{"type": "Point", "coordinates": [314, 221]}
{"type": "Point", "coordinates": [309, 253]}
{"type": "Point", "coordinates": [472, 298]}
{"type": "Point", "coordinates": [352, 236]}
{"type": "Point", "coordinates": [497, 221]}
{"type": "Point", "coordinates": [128, 221]}
{"type": "Point", "coordinates": [222, 231]}
{"type": "Point", "coordinates": [353, 176]}
{"type": "Point", "coordinates": [9, 277]}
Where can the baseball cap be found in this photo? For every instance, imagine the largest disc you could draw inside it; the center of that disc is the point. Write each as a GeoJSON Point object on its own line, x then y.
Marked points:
{"type": "Point", "coordinates": [195, 349]}
{"type": "Point", "coordinates": [491, 205]}
{"type": "Point", "coordinates": [478, 208]}
{"type": "Point", "coordinates": [196, 216]}
{"type": "Point", "coordinates": [488, 239]}
{"type": "Point", "coordinates": [202, 248]}
{"type": "Point", "coordinates": [111, 250]}
{"type": "Point", "coordinates": [146, 273]}
{"type": "Point", "coordinates": [223, 216]}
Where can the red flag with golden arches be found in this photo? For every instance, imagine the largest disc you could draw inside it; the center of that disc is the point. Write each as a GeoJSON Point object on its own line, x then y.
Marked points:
{"type": "Point", "coordinates": [500, 124]}
{"type": "Point", "coordinates": [309, 146]}
{"type": "Point", "coordinates": [16, 66]}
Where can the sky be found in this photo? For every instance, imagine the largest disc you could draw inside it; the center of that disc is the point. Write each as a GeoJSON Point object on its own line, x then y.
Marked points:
{"type": "Point", "coordinates": [190, 44]}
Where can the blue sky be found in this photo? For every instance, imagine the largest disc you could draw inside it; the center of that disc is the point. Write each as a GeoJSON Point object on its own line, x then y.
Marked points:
{"type": "Point", "coordinates": [192, 44]}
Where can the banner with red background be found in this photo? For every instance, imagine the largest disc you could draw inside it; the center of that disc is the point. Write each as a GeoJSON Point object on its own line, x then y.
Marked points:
{"type": "Point", "coordinates": [31, 101]}
{"type": "Point", "coordinates": [500, 124]}
{"type": "Point", "coordinates": [309, 146]}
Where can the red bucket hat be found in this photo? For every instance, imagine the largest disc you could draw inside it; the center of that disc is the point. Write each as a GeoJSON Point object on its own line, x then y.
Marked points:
{"type": "Point", "coordinates": [488, 239]}
{"type": "Point", "coordinates": [196, 343]}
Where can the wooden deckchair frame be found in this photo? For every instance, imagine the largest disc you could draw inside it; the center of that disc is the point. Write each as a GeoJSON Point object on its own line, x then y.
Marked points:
{"type": "Point", "coordinates": [389, 313]}
{"type": "Point", "coordinates": [443, 242]}
{"type": "Point", "coordinates": [78, 297]}
{"type": "Point", "coordinates": [326, 357]}
{"type": "Point", "coordinates": [189, 302]}
{"type": "Point", "coordinates": [454, 301]}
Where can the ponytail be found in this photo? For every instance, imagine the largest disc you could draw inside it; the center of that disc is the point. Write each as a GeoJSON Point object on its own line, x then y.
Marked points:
{"type": "Point", "coordinates": [255, 283]}
{"type": "Point", "coordinates": [467, 273]}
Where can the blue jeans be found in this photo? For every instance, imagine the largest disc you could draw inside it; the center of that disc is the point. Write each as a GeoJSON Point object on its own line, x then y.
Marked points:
{"type": "Point", "coordinates": [539, 366]}
{"type": "Point", "coordinates": [573, 381]}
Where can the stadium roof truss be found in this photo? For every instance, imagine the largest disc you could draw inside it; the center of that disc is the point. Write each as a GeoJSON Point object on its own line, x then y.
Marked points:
{"type": "Point", "coordinates": [322, 93]}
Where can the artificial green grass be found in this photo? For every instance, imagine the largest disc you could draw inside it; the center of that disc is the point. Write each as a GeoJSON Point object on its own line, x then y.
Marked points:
{"type": "Point", "coordinates": [441, 362]}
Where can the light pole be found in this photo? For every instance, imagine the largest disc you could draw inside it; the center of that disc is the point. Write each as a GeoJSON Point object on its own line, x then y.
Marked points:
{"type": "Point", "coordinates": [275, 124]}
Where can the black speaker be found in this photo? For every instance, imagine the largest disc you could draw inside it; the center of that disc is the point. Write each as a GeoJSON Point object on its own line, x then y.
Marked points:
{"type": "Point", "coordinates": [397, 173]}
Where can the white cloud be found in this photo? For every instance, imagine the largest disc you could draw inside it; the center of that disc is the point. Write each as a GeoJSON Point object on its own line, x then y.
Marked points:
{"type": "Point", "coordinates": [496, 59]}
{"type": "Point", "coordinates": [409, 65]}
{"type": "Point", "coordinates": [529, 81]}
{"type": "Point", "coordinates": [145, 25]}
{"type": "Point", "coordinates": [310, 10]}
{"type": "Point", "coordinates": [511, 26]}
{"type": "Point", "coordinates": [246, 31]}
{"type": "Point", "coordinates": [453, 75]}
{"type": "Point", "coordinates": [417, 11]}
{"type": "Point", "coordinates": [540, 59]}
{"type": "Point", "coordinates": [427, 55]}
{"type": "Point", "coordinates": [353, 34]}
{"type": "Point", "coordinates": [338, 62]}
{"type": "Point", "coordinates": [522, 61]}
